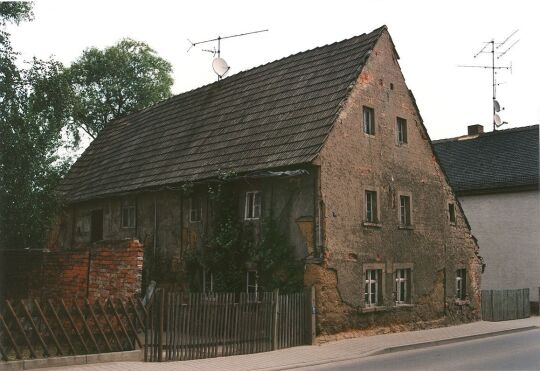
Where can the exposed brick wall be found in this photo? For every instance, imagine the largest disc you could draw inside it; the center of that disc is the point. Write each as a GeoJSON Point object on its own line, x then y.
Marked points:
{"type": "Point", "coordinates": [108, 268]}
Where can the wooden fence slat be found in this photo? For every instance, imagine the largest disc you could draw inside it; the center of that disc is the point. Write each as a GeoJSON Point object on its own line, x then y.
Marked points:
{"type": "Point", "coordinates": [131, 325]}
{"type": "Point", "coordinates": [117, 316]}
{"type": "Point", "coordinates": [61, 326]}
{"type": "Point", "coordinates": [10, 337]}
{"type": "Point", "coordinates": [98, 325]}
{"type": "Point", "coordinates": [49, 329]}
{"type": "Point", "coordinates": [21, 329]}
{"type": "Point", "coordinates": [74, 325]}
{"type": "Point", "coordinates": [90, 333]}
{"type": "Point", "coordinates": [109, 323]}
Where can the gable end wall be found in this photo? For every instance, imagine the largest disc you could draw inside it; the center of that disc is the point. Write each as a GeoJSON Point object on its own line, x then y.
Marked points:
{"type": "Point", "coordinates": [352, 162]}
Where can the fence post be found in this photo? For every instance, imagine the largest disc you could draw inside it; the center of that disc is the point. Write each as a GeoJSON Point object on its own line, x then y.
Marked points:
{"type": "Point", "coordinates": [275, 316]}
{"type": "Point", "coordinates": [311, 322]}
{"type": "Point", "coordinates": [160, 326]}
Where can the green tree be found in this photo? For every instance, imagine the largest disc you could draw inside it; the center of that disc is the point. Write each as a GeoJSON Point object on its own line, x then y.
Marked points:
{"type": "Point", "coordinates": [33, 112]}
{"type": "Point", "coordinates": [116, 81]}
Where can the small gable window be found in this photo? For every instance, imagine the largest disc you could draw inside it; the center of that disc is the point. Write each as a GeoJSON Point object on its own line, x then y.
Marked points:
{"type": "Point", "coordinates": [369, 120]}
{"type": "Point", "coordinates": [401, 131]}
{"type": "Point", "coordinates": [253, 205]}
{"type": "Point", "coordinates": [461, 284]}
{"type": "Point", "coordinates": [452, 213]}
{"type": "Point", "coordinates": [128, 216]}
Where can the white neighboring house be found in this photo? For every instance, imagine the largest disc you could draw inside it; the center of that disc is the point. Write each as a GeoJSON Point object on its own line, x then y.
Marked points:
{"type": "Point", "coordinates": [495, 176]}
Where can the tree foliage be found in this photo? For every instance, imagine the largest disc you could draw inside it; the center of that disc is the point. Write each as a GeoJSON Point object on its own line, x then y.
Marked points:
{"type": "Point", "coordinates": [118, 80]}
{"type": "Point", "coordinates": [33, 112]}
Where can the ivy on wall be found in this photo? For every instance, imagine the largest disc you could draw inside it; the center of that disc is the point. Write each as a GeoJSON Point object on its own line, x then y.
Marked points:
{"type": "Point", "coordinates": [233, 245]}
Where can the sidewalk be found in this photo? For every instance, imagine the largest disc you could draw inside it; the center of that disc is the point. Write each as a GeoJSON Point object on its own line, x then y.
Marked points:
{"type": "Point", "coordinates": [328, 352]}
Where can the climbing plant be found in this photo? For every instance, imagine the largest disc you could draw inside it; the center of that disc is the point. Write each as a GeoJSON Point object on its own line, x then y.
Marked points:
{"type": "Point", "coordinates": [232, 245]}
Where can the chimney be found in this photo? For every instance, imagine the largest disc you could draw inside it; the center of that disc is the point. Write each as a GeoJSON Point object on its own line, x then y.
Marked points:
{"type": "Point", "coordinates": [475, 129]}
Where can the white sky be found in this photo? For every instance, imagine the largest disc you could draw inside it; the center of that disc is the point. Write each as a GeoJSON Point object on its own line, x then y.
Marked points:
{"type": "Point", "coordinates": [431, 37]}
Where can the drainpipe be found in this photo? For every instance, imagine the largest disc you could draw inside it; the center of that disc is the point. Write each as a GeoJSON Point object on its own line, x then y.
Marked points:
{"type": "Point", "coordinates": [155, 230]}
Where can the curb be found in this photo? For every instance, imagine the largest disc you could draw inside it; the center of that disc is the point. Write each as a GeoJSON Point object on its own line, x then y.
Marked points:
{"type": "Point", "coordinates": [30, 364]}
{"type": "Point", "coordinates": [400, 348]}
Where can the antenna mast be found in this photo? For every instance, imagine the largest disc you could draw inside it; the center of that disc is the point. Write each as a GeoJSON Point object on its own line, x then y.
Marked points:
{"type": "Point", "coordinates": [219, 65]}
{"type": "Point", "coordinates": [498, 54]}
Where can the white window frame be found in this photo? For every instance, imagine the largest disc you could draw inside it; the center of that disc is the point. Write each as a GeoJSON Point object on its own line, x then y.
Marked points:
{"type": "Point", "coordinates": [461, 283]}
{"type": "Point", "coordinates": [253, 205]}
{"type": "Point", "coordinates": [405, 214]}
{"type": "Point", "coordinates": [402, 285]}
{"type": "Point", "coordinates": [193, 211]}
{"type": "Point", "coordinates": [401, 126]}
{"type": "Point", "coordinates": [131, 221]}
{"type": "Point", "coordinates": [371, 279]}
{"type": "Point", "coordinates": [371, 206]}
{"type": "Point", "coordinates": [368, 120]}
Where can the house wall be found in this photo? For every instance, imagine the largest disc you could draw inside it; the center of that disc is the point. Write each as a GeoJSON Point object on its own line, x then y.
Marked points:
{"type": "Point", "coordinates": [163, 221]}
{"type": "Point", "coordinates": [507, 226]}
{"type": "Point", "coordinates": [352, 161]}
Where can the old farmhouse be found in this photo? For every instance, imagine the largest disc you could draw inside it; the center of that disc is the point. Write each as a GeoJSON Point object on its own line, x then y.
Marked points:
{"type": "Point", "coordinates": [323, 152]}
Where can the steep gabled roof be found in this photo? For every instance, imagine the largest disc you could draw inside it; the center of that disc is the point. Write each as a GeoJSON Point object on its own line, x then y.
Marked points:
{"type": "Point", "coordinates": [271, 116]}
{"type": "Point", "coordinates": [491, 161]}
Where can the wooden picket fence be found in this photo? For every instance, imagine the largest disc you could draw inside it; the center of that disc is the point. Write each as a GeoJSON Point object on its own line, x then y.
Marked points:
{"type": "Point", "coordinates": [48, 328]}
{"type": "Point", "coordinates": [503, 305]}
{"type": "Point", "coordinates": [182, 326]}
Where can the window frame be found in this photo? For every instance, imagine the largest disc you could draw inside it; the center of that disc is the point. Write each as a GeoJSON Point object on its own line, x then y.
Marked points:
{"type": "Point", "coordinates": [402, 280]}
{"type": "Point", "coordinates": [131, 216]}
{"type": "Point", "coordinates": [368, 126]}
{"type": "Point", "coordinates": [374, 209]}
{"type": "Point", "coordinates": [452, 218]}
{"type": "Point", "coordinates": [380, 270]}
{"type": "Point", "coordinates": [409, 215]}
{"type": "Point", "coordinates": [461, 284]}
{"type": "Point", "coordinates": [401, 128]}
{"type": "Point", "coordinates": [251, 205]}
{"type": "Point", "coordinates": [193, 210]}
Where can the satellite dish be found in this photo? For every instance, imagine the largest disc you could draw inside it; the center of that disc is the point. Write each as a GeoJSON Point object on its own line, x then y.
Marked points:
{"type": "Point", "coordinates": [220, 66]}
{"type": "Point", "coordinates": [497, 119]}
{"type": "Point", "coordinates": [496, 106]}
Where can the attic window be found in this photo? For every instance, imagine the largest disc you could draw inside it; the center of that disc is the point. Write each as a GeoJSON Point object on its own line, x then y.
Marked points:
{"type": "Point", "coordinates": [195, 209]}
{"type": "Point", "coordinates": [401, 131]}
{"type": "Point", "coordinates": [253, 205]}
{"type": "Point", "coordinates": [369, 120]}
{"type": "Point", "coordinates": [452, 213]}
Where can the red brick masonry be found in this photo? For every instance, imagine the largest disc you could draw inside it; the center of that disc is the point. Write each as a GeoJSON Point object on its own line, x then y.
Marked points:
{"type": "Point", "coordinates": [108, 268]}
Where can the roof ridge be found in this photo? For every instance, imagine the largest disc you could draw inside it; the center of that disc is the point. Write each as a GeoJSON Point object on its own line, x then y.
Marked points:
{"type": "Point", "coordinates": [487, 134]}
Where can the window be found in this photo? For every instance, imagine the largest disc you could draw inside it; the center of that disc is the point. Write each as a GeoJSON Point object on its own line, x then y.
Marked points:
{"type": "Point", "coordinates": [253, 205]}
{"type": "Point", "coordinates": [405, 210]}
{"type": "Point", "coordinates": [461, 284]}
{"type": "Point", "coordinates": [369, 121]}
{"type": "Point", "coordinates": [195, 209]}
{"type": "Point", "coordinates": [372, 288]}
{"type": "Point", "coordinates": [402, 288]}
{"type": "Point", "coordinates": [401, 130]}
{"type": "Point", "coordinates": [371, 206]}
{"type": "Point", "coordinates": [452, 213]}
{"type": "Point", "coordinates": [128, 216]}
{"type": "Point", "coordinates": [96, 225]}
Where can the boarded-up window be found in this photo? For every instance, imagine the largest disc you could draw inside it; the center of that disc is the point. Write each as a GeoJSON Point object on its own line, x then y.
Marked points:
{"type": "Point", "coordinates": [128, 216]}
{"type": "Point", "coordinates": [96, 226]}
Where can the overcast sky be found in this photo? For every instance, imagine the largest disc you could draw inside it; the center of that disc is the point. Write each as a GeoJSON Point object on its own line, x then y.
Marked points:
{"type": "Point", "coordinates": [431, 37]}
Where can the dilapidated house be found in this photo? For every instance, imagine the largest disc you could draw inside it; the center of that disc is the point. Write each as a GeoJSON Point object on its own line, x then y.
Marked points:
{"type": "Point", "coordinates": [330, 144]}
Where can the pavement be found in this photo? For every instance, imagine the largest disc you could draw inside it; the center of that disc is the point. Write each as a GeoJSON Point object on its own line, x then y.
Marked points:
{"type": "Point", "coordinates": [336, 351]}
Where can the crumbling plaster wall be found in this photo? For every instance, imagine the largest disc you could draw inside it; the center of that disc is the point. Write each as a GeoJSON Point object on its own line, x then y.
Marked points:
{"type": "Point", "coordinates": [163, 218]}
{"type": "Point", "coordinates": [352, 161]}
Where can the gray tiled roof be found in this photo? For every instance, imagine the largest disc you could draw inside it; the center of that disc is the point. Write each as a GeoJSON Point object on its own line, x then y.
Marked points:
{"type": "Point", "coordinates": [271, 116]}
{"type": "Point", "coordinates": [494, 160]}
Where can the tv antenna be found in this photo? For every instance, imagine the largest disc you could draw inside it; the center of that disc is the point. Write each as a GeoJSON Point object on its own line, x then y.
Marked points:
{"type": "Point", "coordinates": [219, 64]}
{"type": "Point", "coordinates": [496, 54]}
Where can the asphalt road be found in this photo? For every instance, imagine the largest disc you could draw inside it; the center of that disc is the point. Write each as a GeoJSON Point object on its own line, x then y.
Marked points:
{"type": "Point", "coordinates": [518, 351]}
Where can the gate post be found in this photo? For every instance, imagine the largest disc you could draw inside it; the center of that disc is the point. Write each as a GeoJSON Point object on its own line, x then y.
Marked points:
{"type": "Point", "coordinates": [311, 310]}
{"type": "Point", "coordinates": [275, 316]}
{"type": "Point", "coordinates": [160, 326]}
